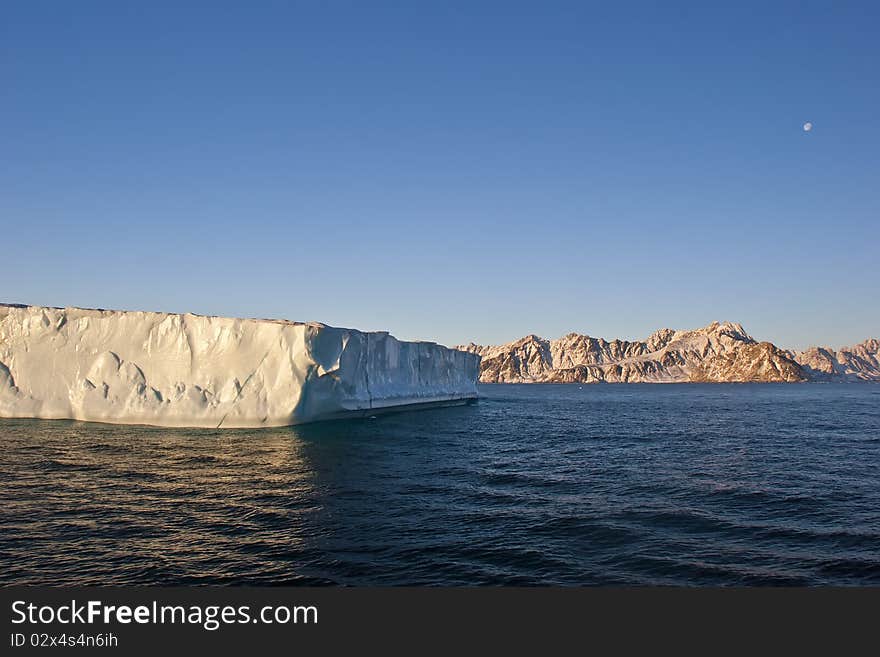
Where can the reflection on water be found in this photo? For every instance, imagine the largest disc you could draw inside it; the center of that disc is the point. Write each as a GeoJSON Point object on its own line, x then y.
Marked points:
{"type": "Point", "coordinates": [152, 504]}
{"type": "Point", "coordinates": [688, 484]}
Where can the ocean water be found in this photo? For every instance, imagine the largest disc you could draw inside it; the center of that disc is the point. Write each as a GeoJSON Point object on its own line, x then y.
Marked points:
{"type": "Point", "coordinates": [692, 485]}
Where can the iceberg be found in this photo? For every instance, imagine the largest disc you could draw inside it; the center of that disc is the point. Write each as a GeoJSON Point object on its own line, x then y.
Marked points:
{"type": "Point", "coordinates": [185, 370]}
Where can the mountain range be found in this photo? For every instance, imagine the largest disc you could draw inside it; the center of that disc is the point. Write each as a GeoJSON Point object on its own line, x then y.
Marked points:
{"type": "Point", "coordinates": [718, 353]}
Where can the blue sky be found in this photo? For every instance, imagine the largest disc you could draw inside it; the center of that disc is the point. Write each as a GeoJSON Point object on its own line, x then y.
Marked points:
{"type": "Point", "coordinates": [453, 171]}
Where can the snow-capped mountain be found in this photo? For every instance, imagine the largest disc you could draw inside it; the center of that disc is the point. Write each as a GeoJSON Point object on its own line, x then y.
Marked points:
{"type": "Point", "coordinates": [860, 362]}
{"type": "Point", "coordinates": [719, 352]}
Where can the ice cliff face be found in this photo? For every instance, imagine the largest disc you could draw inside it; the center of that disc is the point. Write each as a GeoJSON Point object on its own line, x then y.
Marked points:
{"type": "Point", "coordinates": [719, 352]}
{"type": "Point", "coordinates": [189, 370]}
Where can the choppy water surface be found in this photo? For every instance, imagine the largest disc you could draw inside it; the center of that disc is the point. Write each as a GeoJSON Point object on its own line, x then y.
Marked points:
{"type": "Point", "coordinates": [617, 484]}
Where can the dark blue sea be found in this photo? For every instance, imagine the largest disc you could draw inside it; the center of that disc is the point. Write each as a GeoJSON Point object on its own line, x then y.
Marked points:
{"type": "Point", "coordinates": [764, 484]}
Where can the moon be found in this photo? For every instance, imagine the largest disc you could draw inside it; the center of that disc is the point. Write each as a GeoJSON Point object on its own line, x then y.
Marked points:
{"type": "Point", "coordinates": [808, 126]}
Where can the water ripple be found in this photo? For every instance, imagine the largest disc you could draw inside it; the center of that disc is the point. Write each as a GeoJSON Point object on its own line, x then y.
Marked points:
{"type": "Point", "coordinates": [535, 485]}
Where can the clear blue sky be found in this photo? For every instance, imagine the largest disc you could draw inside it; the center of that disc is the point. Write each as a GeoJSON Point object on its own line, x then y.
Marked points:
{"type": "Point", "coordinates": [453, 170]}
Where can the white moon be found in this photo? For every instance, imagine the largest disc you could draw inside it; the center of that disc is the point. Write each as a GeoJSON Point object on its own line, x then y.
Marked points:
{"type": "Point", "coordinates": [808, 126]}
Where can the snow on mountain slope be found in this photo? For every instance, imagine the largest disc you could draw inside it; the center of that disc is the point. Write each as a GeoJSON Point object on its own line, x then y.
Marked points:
{"type": "Point", "coordinates": [858, 363]}
{"type": "Point", "coordinates": [190, 370]}
{"type": "Point", "coordinates": [718, 352]}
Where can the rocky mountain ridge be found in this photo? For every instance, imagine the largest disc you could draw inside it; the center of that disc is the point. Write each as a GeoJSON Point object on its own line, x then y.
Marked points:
{"type": "Point", "coordinates": [720, 352]}
{"type": "Point", "coordinates": [860, 362]}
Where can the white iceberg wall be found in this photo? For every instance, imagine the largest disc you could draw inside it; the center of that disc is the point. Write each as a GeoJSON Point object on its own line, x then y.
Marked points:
{"type": "Point", "coordinates": [190, 370]}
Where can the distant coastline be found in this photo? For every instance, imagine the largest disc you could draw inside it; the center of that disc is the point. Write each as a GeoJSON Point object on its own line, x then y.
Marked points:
{"type": "Point", "coordinates": [722, 352]}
